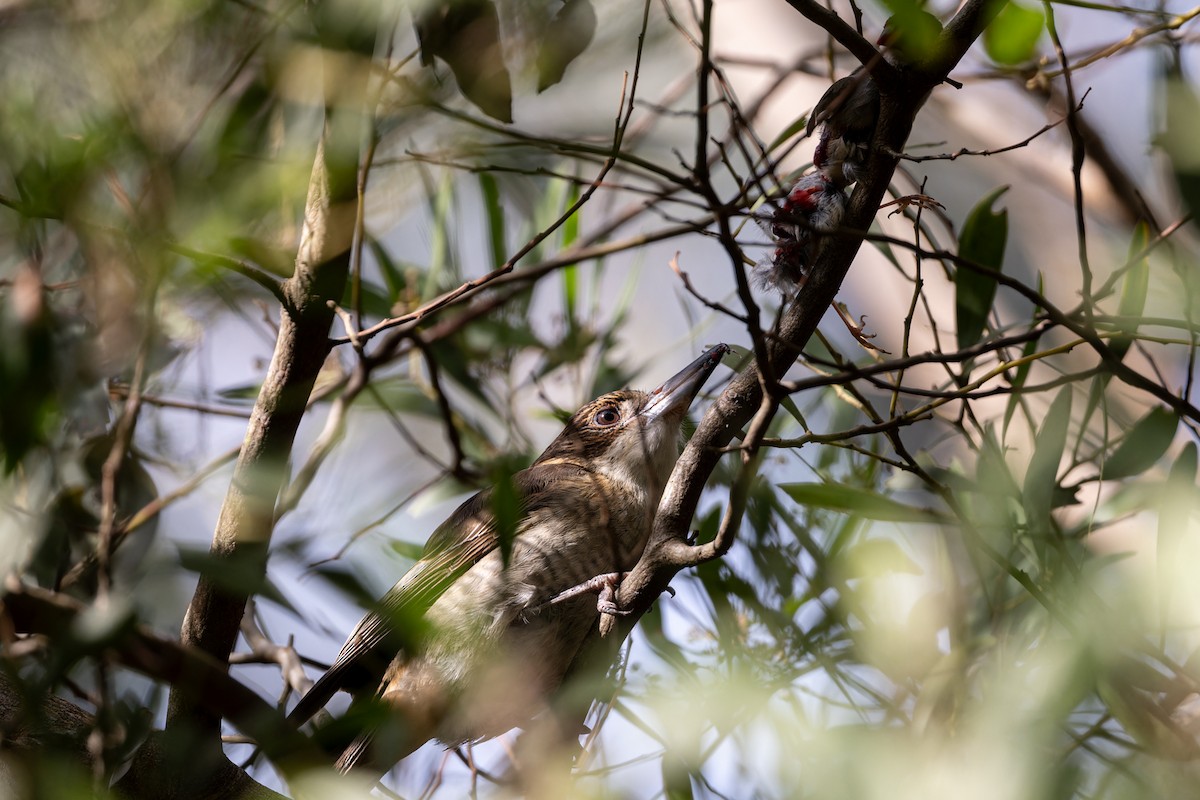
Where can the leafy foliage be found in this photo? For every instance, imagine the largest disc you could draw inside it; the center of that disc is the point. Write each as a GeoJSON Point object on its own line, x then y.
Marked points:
{"type": "Point", "coordinates": [966, 562]}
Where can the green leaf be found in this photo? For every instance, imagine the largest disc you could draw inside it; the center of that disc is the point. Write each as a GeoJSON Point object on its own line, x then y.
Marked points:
{"type": "Point", "coordinates": [1013, 34]}
{"type": "Point", "coordinates": [1143, 445]}
{"type": "Point", "coordinates": [1133, 290]}
{"type": "Point", "coordinates": [1175, 510]}
{"type": "Point", "coordinates": [393, 276]}
{"type": "Point", "coordinates": [410, 550]}
{"type": "Point", "coordinates": [494, 210]}
{"type": "Point", "coordinates": [884, 247]}
{"type": "Point", "coordinates": [467, 37]}
{"type": "Point", "coordinates": [790, 406]}
{"type": "Point", "coordinates": [506, 506]}
{"type": "Point", "coordinates": [982, 241]}
{"type": "Point", "coordinates": [799, 124]}
{"type": "Point", "coordinates": [858, 502]}
{"type": "Point", "coordinates": [1018, 381]}
{"type": "Point", "coordinates": [565, 39]}
{"type": "Point", "coordinates": [399, 393]}
{"type": "Point", "coordinates": [1040, 484]}
{"type": "Point", "coordinates": [875, 558]}
{"type": "Point", "coordinates": [677, 783]}
{"type": "Point", "coordinates": [1179, 139]}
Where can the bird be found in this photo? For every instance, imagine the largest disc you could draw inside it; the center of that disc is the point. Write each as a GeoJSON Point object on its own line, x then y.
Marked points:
{"type": "Point", "coordinates": [815, 204]}
{"type": "Point", "coordinates": [501, 585]}
{"type": "Point", "coordinates": [848, 111]}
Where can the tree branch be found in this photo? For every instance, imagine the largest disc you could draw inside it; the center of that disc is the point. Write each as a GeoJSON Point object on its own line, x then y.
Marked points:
{"type": "Point", "coordinates": [247, 516]}
{"type": "Point", "coordinates": [668, 551]}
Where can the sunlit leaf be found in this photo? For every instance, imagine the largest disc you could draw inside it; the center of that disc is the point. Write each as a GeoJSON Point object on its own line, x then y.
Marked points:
{"type": "Point", "coordinates": [1012, 36]}
{"type": "Point", "coordinates": [875, 558]}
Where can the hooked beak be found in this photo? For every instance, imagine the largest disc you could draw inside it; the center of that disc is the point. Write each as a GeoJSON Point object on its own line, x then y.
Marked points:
{"type": "Point", "coordinates": [678, 392]}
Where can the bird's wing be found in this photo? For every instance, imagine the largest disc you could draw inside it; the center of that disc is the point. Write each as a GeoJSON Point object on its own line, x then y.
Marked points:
{"type": "Point", "coordinates": [459, 543]}
{"type": "Point", "coordinates": [836, 92]}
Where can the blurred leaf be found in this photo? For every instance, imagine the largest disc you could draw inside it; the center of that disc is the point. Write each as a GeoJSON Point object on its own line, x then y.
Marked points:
{"type": "Point", "coordinates": [1179, 138]}
{"type": "Point", "coordinates": [103, 623]}
{"type": "Point", "coordinates": [1175, 509]}
{"type": "Point", "coordinates": [1012, 36]}
{"type": "Point", "coordinates": [267, 255]}
{"type": "Point", "coordinates": [676, 776]}
{"type": "Point", "coordinates": [1041, 482]}
{"type": "Point", "coordinates": [565, 39]}
{"type": "Point", "coordinates": [570, 274]}
{"type": "Point", "coordinates": [441, 202]}
{"type": "Point", "coordinates": [1018, 382]}
{"type": "Point", "coordinates": [884, 247]}
{"type": "Point", "coordinates": [466, 35]}
{"type": "Point", "coordinates": [399, 393]}
{"type": "Point", "coordinates": [410, 550]}
{"type": "Point", "coordinates": [789, 405]}
{"type": "Point", "coordinates": [493, 209]}
{"type": "Point", "coordinates": [242, 392]}
{"type": "Point", "coordinates": [799, 124]}
{"type": "Point", "coordinates": [982, 241]}
{"type": "Point", "coordinates": [875, 558]}
{"type": "Point", "coordinates": [28, 368]}
{"type": "Point", "coordinates": [1133, 291]}
{"type": "Point", "coordinates": [241, 573]}
{"type": "Point", "coordinates": [507, 505]}
{"type": "Point", "coordinates": [858, 502]}
{"type": "Point", "coordinates": [375, 299]}
{"type": "Point", "coordinates": [1144, 444]}
{"type": "Point", "coordinates": [454, 362]}
{"type": "Point", "coordinates": [911, 30]}
{"type": "Point", "coordinates": [393, 276]}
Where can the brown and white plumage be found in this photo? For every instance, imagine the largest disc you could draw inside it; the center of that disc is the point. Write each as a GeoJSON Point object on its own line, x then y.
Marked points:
{"type": "Point", "coordinates": [497, 648]}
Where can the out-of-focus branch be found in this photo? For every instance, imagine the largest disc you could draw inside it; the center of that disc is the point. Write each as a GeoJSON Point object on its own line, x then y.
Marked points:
{"type": "Point", "coordinates": [31, 610]}
{"type": "Point", "coordinates": [844, 33]}
{"type": "Point", "coordinates": [247, 516]}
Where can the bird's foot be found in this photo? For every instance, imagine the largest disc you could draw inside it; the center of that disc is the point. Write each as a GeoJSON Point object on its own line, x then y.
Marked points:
{"type": "Point", "coordinates": [857, 329]}
{"type": "Point", "coordinates": [913, 200]}
{"type": "Point", "coordinates": [605, 588]}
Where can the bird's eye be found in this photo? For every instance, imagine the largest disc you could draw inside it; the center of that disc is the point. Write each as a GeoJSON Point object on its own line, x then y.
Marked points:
{"type": "Point", "coordinates": [606, 417]}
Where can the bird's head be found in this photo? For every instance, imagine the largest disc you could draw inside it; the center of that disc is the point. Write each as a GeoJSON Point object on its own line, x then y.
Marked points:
{"type": "Point", "coordinates": [633, 436]}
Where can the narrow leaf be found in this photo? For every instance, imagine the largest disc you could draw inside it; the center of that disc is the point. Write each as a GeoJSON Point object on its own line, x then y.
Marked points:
{"type": "Point", "coordinates": [1040, 479]}
{"type": "Point", "coordinates": [1179, 139]}
{"type": "Point", "coordinates": [1133, 291]}
{"type": "Point", "coordinates": [494, 210]}
{"type": "Point", "coordinates": [982, 241]}
{"type": "Point", "coordinates": [858, 502]}
{"type": "Point", "coordinates": [1143, 445]}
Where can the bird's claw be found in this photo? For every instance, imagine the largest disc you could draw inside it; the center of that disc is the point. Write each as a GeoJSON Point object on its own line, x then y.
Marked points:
{"type": "Point", "coordinates": [605, 587]}
{"type": "Point", "coordinates": [919, 200]}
